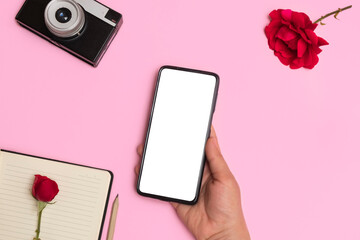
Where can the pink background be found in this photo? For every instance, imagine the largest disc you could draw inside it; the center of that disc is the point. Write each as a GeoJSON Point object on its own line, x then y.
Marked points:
{"type": "Point", "coordinates": [291, 137]}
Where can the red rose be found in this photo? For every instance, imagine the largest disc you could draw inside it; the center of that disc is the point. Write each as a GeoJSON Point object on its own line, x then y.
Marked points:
{"type": "Point", "coordinates": [44, 189]}
{"type": "Point", "coordinates": [291, 36]}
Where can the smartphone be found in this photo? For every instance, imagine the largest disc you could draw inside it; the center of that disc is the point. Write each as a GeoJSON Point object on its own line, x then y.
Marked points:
{"type": "Point", "coordinates": [179, 126]}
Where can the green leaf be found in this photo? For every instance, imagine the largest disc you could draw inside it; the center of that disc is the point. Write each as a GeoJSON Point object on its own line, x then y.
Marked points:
{"type": "Point", "coordinates": [41, 206]}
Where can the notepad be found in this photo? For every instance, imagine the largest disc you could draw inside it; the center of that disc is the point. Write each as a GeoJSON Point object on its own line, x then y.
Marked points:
{"type": "Point", "coordinates": [80, 207]}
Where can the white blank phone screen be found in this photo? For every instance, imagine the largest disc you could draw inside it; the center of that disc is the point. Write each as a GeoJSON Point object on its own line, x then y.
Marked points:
{"type": "Point", "coordinates": [177, 137]}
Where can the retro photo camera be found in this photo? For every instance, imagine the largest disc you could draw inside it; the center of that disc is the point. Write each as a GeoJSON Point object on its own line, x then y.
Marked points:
{"type": "Point", "coordinates": [84, 28]}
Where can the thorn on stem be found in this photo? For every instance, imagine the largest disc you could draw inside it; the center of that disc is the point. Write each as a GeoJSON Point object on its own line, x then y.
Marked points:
{"type": "Point", "coordinates": [337, 13]}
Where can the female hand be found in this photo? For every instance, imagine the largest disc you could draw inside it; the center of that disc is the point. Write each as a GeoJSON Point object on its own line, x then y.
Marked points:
{"type": "Point", "coordinates": [218, 213]}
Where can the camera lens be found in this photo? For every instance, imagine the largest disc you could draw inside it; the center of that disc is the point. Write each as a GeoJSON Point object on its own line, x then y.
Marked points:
{"type": "Point", "coordinates": [64, 18]}
{"type": "Point", "coordinates": [63, 15]}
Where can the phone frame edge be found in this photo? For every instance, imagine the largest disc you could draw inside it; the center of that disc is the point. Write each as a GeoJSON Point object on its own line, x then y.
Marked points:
{"type": "Point", "coordinates": [214, 100]}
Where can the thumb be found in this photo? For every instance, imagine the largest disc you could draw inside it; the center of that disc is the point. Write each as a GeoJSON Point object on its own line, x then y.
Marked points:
{"type": "Point", "coordinates": [218, 167]}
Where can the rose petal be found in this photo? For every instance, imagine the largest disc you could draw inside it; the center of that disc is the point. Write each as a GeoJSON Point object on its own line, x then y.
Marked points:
{"type": "Point", "coordinates": [285, 23]}
{"type": "Point", "coordinates": [298, 20]}
{"type": "Point", "coordinates": [284, 54]}
{"type": "Point", "coordinates": [310, 59]}
{"type": "Point", "coordinates": [293, 28]}
{"type": "Point", "coordinates": [292, 44]}
{"type": "Point", "coordinates": [38, 179]}
{"type": "Point", "coordinates": [286, 34]}
{"type": "Point", "coordinates": [301, 47]}
{"type": "Point", "coordinates": [307, 20]}
{"type": "Point", "coordinates": [281, 47]}
{"type": "Point", "coordinates": [312, 36]}
{"type": "Point", "coordinates": [322, 42]}
{"type": "Point", "coordinates": [307, 58]}
{"type": "Point", "coordinates": [303, 36]}
{"type": "Point", "coordinates": [272, 28]}
{"type": "Point", "coordinates": [274, 25]}
{"type": "Point", "coordinates": [316, 49]}
{"type": "Point", "coordinates": [46, 190]}
{"type": "Point", "coordinates": [315, 61]}
{"type": "Point", "coordinates": [283, 60]}
{"type": "Point", "coordinates": [275, 14]}
{"type": "Point", "coordinates": [312, 26]}
{"type": "Point", "coordinates": [297, 63]}
{"type": "Point", "coordinates": [271, 42]}
{"type": "Point", "coordinates": [286, 14]}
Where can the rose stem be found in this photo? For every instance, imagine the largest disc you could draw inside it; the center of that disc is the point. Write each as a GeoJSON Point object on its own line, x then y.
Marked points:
{"type": "Point", "coordinates": [332, 13]}
{"type": "Point", "coordinates": [38, 225]}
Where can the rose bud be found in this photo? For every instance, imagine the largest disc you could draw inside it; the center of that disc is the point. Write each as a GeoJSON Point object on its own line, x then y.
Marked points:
{"type": "Point", "coordinates": [44, 189]}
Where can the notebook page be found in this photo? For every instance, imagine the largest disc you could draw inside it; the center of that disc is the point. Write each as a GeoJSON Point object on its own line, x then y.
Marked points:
{"type": "Point", "coordinates": [79, 208]}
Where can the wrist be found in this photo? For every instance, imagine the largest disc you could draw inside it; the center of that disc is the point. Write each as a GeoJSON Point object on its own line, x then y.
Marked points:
{"type": "Point", "coordinates": [235, 234]}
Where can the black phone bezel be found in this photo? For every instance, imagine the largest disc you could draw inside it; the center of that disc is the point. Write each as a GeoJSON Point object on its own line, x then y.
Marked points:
{"type": "Point", "coordinates": [164, 198]}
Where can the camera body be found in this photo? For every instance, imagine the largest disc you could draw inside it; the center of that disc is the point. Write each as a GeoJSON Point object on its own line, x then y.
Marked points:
{"type": "Point", "coordinates": [84, 28]}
